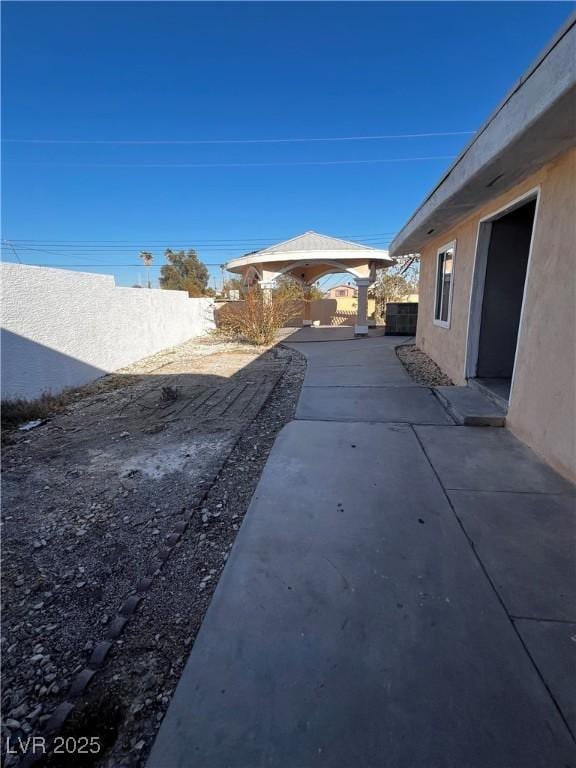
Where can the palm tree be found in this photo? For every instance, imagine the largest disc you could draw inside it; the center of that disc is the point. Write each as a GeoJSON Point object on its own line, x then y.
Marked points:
{"type": "Point", "coordinates": [147, 260]}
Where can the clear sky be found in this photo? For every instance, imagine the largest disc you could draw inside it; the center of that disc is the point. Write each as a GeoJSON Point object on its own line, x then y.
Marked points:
{"type": "Point", "coordinates": [167, 72]}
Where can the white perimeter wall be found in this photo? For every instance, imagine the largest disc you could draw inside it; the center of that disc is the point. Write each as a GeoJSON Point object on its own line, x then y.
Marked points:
{"type": "Point", "coordinates": [63, 329]}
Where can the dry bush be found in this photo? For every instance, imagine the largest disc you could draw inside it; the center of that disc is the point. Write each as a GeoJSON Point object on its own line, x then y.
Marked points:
{"type": "Point", "coordinates": [17, 411]}
{"type": "Point", "coordinates": [255, 320]}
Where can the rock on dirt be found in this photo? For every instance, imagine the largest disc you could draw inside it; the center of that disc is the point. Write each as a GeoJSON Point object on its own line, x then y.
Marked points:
{"type": "Point", "coordinates": [422, 368]}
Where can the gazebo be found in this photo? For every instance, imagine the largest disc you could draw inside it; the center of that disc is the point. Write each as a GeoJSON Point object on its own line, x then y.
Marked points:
{"type": "Point", "coordinates": [307, 258]}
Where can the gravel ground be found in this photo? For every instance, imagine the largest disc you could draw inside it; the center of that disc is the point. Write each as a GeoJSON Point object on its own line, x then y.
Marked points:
{"type": "Point", "coordinates": [85, 518]}
{"type": "Point", "coordinates": [422, 368]}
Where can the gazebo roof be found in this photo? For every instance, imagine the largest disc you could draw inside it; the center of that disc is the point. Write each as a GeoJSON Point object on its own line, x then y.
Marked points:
{"type": "Point", "coordinates": [311, 249]}
{"type": "Point", "coordinates": [312, 241]}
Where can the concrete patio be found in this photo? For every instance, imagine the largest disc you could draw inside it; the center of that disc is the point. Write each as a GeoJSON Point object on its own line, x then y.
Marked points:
{"type": "Point", "coordinates": [401, 593]}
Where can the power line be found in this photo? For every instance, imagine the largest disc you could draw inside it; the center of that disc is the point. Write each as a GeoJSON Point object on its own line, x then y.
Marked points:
{"type": "Point", "coordinates": [107, 248]}
{"type": "Point", "coordinates": [223, 256]}
{"type": "Point", "coordinates": [88, 253]}
{"type": "Point", "coordinates": [99, 266]}
{"type": "Point", "coordinates": [306, 140]}
{"type": "Point", "coordinates": [216, 252]}
{"type": "Point", "coordinates": [97, 247]}
{"type": "Point", "coordinates": [246, 239]}
{"type": "Point", "coordinates": [106, 264]}
{"type": "Point", "coordinates": [12, 248]}
{"type": "Point", "coordinates": [287, 164]}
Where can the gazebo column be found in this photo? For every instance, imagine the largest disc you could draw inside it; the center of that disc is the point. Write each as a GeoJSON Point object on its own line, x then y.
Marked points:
{"type": "Point", "coordinates": [361, 327]}
{"type": "Point", "coordinates": [307, 319]}
{"type": "Point", "coordinates": [267, 284]}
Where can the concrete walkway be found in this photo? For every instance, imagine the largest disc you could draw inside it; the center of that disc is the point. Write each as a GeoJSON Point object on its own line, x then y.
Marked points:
{"type": "Point", "coordinates": [401, 593]}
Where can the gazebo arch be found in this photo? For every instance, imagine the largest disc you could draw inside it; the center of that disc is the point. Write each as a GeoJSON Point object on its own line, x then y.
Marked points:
{"type": "Point", "coordinates": [251, 276]}
{"type": "Point", "coordinates": [333, 267]}
{"type": "Point", "coordinates": [309, 257]}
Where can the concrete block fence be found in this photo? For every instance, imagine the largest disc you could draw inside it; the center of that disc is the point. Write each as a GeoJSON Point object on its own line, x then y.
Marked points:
{"type": "Point", "coordinates": [63, 329]}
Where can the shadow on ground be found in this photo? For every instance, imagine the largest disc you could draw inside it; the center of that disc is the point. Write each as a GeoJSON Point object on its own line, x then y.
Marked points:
{"type": "Point", "coordinates": [91, 498]}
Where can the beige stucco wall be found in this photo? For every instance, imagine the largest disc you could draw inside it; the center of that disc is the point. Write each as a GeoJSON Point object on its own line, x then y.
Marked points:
{"type": "Point", "coordinates": [341, 311]}
{"type": "Point", "coordinates": [543, 400]}
{"type": "Point", "coordinates": [350, 304]}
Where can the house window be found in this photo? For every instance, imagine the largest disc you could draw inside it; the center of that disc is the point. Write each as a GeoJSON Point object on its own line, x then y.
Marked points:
{"type": "Point", "coordinates": [342, 292]}
{"type": "Point", "coordinates": [444, 285]}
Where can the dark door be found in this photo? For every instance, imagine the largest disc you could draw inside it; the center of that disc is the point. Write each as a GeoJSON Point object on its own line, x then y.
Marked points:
{"type": "Point", "coordinates": [506, 266]}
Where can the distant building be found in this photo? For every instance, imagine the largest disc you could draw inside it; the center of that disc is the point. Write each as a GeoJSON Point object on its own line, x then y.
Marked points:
{"type": "Point", "coordinates": [342, 291]}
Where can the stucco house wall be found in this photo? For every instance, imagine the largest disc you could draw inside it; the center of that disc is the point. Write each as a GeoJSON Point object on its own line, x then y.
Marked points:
{"type": "Point", "coordinates": [63, 329]}
{"type": "Point", "coordinates": [542, 408]}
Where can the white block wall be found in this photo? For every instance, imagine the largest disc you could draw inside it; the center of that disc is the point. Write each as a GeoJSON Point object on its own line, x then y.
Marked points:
{"type": "Point", "coordinates": [63, 329]}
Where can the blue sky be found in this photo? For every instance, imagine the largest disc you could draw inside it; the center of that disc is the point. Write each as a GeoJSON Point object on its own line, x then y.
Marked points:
{"type": "Point", "coordinates": [137, 72]}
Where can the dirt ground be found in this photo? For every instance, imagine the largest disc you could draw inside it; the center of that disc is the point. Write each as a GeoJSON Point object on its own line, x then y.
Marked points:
{"type": "Point", "coordinates": [118, 517]}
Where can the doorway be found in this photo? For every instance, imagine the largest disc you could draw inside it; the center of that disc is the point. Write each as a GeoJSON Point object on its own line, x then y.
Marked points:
{"type": "Point", "coordinates": [500, 276]}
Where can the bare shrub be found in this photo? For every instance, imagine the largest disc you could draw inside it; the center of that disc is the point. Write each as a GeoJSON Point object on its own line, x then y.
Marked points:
{"type": "Point", "coordinates": [257, 319]}
{"type": "Point", "coordinates": [17, 411]}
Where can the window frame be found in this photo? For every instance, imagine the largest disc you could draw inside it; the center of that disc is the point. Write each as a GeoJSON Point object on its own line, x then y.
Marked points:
{"type": "Point", "coordinates": [437, 320]}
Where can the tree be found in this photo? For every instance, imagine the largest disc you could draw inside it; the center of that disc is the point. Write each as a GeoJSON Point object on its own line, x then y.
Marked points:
{"type": "Point", "coordinates": [147, 260]}
{"type": "Point", "coordinates": [396, 283]}
{"type": "Point", "coordinates": [315, 292]}
{"type": "Point", "coordinates": [185, 272]}
{"type": "Point", "coordinates": [233, 284]}
{"type": "Point", "coordinates": [289, 288]}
